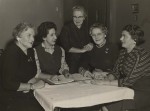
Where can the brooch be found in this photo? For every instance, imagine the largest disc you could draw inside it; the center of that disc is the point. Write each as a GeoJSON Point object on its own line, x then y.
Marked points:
{"type": "Point", "coordinates": [106, 50]}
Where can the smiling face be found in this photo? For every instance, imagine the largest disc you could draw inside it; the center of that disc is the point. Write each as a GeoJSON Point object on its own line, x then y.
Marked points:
{"type": "Point", "coordinates": [98, 36]}
{"type": "Point", "coordinates": [26, 38]}
{"type": "Point", "coordinates": [78, 18]}
{"type": "Point", "coordinates": [126, 40]}
{"type": "Point", "coordinates": [51, 37]}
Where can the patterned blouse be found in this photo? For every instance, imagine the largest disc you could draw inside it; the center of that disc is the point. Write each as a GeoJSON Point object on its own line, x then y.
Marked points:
{"type": "Point", "coordinates": [132, 66]}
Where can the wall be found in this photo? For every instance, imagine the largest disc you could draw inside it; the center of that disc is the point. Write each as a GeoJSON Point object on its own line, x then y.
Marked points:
{"type": "Point", "coordinates": [144, 20]}
{"type": "Point", "coordinates": [121, 15]}
{"type": "Point", "coordinates": [13, 12]}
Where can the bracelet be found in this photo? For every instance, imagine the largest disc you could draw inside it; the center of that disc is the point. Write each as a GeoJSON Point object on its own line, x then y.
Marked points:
{"type": "Point", "coordinates": [31, 86]}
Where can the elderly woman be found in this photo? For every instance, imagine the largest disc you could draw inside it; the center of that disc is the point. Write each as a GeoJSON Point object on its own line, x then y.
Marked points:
{"type": "Point", "coordinates": [74, 38]}
{"type": "Point", "coordinates": [133, 67]}
{"type": "Point", "coordinates": [51, 57]}
{"type": "Point", "coordinates": [19, 70]}
{"type": "Point", "coordinates": [101, 58]}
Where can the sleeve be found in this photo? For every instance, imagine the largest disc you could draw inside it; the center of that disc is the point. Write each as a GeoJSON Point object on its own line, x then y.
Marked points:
{"type": "Point", "coordinates": [115, 71]}
{"type": "Point", "coordinates": [10, 70]}
{"type": "Point", "coordinates": [37, 64]}
{"type": "Point", "coordinates": [64, 39]}
{"type": "Point", "coordinates": [64, 67]}
{"type": "Point", "coordinates": [141, 67]}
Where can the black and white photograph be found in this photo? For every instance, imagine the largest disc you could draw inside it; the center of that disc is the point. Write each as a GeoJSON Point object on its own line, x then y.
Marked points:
{"type": "Point", "coordinates": [74, 55]}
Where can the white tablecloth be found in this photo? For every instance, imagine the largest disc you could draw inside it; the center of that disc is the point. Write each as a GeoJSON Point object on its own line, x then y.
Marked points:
{"type": "Point", "coordinates": [80, 95]}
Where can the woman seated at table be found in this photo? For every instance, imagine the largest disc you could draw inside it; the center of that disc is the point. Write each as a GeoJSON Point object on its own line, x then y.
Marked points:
{"type": "Point", "coordinates": [100, 60]}
{"type": "Point", "coordinates": [133, 67]}
{"type": "Point", "coordinates": [51, 57]}
{"type": "Point", "coordinates": [19, 70]}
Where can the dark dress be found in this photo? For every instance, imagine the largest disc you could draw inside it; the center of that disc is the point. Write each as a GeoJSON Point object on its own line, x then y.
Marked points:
{"type": "Point", "coordinates": [71, 36]}
{"type": "Point", "coordinates": [133, 70]}
{"type": "Point", "coordinates": [49, 63]}
{"type": "Point", "coordinates": [18, 68]}
{"type": "Point", "coordinates": [100, 58]}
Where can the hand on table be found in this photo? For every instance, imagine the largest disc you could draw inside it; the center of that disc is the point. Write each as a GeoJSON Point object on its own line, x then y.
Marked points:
{"type": "Point", "coordinates": [100, 75]}
{"type": "Point", "coordinates": [54, 77]}
{"type": "Point", "coordinates": [88, 74]}
{"type": "Point", "coordinates": [38, 84]}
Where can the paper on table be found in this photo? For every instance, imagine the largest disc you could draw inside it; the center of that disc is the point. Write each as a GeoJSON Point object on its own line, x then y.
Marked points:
{"type": "Point", "coordinates": [59, 81]}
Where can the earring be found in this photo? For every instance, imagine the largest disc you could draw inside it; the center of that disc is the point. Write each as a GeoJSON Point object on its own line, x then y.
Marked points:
{"type": "Point", "coordinates": [18, 38]}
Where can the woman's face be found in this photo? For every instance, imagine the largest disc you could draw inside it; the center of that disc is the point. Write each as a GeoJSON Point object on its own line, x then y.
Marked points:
{"type": "Point", "coordinates": [78, 18]}
{"type": "Point", "coordinates": [98, 36]}
{"type": "Point", "coordinates": [51, 37]}
{"type": "Point", "coordinates": [126, 40]}
{"type": "Point", "coordinates": [26, 38]}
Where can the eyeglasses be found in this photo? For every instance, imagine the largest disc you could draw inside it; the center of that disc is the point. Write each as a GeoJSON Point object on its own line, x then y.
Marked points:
{"type": "Point", "coordinates": [80, 17]}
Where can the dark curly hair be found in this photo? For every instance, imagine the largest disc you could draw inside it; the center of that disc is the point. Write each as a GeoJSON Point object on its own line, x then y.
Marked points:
{"type": "Point", "coordinates": [42, 31]}
{"type": "Point", "coordinates": [44, 27]}
{"type": "Point", "coordinates": [136, 33]}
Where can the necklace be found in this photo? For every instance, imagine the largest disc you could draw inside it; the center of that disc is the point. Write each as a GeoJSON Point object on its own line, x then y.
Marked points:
{"type": "Point", "coordinates": [49, 49]}
{"type": "Point", "coordinates": [102, 44]}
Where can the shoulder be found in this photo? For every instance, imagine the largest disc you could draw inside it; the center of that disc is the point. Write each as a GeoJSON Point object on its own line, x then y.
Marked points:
{"type": "Point", "coordinates": [12, 49]}
{"type": "Point", "coordinates": [142, 52]}
{"type": "Point", "coordinates": [68, 26]}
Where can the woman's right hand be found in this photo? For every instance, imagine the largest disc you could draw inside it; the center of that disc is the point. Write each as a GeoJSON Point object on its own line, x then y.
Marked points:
{"type": "Point", "coordinates": [38, 85]}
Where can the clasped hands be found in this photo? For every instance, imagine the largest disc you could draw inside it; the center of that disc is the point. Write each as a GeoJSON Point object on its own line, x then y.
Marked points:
{"type": "Point", "coordinates": [99, 77]}
{"type": "Point", "coordinates": [88, 47]}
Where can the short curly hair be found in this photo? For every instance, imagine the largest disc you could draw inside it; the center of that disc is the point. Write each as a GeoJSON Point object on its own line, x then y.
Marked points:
{"type": "Point", "coordinates": [23, 26]}
{"type": "Point", "coordinates": [44, 27]}
{"type": "Point", "coordinates": [136, 33]}
{"type": "Point", "coordinates": [100, 26]}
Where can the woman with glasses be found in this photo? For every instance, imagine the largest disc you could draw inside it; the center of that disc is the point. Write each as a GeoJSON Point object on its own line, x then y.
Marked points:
{"type": "Point", "coordinates": [74, 38]}
{"type": "Point", "coordinates": [100, 60]}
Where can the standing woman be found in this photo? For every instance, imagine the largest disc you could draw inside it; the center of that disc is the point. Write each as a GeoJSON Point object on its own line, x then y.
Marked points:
{"type": "Point", "coordinates": [133, 67]}
{"type": "Point", "coordinates": [19, 69]}
{"type": "Point", "coordinates": [75, 39]}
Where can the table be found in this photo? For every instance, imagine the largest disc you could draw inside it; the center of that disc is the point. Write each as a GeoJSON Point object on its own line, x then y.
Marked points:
{"type": "Point", "coordinates": [78, 94]}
